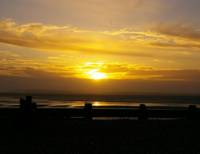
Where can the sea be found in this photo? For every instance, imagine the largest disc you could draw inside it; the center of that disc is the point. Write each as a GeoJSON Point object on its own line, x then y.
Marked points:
{"type": "Point", "coordinates": [102, 101]}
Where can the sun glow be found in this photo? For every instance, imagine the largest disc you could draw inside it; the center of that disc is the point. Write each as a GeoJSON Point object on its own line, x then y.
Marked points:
{"type": "Point", "coordinates": [96, 75]}
{"type": "Point", "coordinates": [96, 104]}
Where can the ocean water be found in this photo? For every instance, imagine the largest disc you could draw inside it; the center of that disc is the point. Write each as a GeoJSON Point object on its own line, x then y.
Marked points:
{"type": "Point", "coordinates": [99, 101]}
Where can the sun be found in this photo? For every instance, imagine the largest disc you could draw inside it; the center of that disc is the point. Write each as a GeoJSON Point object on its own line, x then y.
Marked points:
{"type": "Point", "coordinates": [96, 75]}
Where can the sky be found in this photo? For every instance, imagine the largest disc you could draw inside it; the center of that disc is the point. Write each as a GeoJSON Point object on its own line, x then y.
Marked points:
{"type": "Point", "coordinates": [100, 46]}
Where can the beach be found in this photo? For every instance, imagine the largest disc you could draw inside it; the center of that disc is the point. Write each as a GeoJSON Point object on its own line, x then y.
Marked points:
{"type": "Point", "coordinates": [82, 136]}
{"type": "Point", "coordinates": [50, 130]}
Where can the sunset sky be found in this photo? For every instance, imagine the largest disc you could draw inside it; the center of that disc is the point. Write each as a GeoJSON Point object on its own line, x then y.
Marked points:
{"type": "Point", "coordinates": [100, 46]}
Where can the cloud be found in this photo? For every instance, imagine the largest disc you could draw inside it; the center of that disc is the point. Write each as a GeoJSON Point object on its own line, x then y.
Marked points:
{"type": "Point", "coordinates": [65, 38]}
{"type": "Point", "coordinates": [179, 30]}
{"type": "Point", "coordinates": [137, 72]}
{"type": "Point", "coordinates": [177, 36]}
{"type": "Point", "coordinates": [48, 82]}
{"type": "Point", "coordinates": [18, 66]}
{"type": "Point", "coordinates": [171, 75]}
{"type": "Point", "coordinates": [172, 44]}
{"type": "Point", "coordinates": [123, 42]}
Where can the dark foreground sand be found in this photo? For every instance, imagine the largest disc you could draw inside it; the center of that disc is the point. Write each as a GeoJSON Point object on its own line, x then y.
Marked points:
{"type": "Point", "coordinates": [55, 136]}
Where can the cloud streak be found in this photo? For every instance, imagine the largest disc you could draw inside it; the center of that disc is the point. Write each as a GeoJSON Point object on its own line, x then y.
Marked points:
{"type": "Point", "coordinates": [63, 38]}
{"type": "Point", "coordinates": [124, 42]}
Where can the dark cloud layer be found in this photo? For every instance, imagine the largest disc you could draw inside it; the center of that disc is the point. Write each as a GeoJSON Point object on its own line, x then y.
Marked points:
{"type": "Point", "coordinates": [81, 86]}
{"type": "Point", "coordinates": [182, 81]}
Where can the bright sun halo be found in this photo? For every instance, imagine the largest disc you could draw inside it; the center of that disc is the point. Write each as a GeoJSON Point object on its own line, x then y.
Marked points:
{"type": "Point", "coordinates": [96, 75]}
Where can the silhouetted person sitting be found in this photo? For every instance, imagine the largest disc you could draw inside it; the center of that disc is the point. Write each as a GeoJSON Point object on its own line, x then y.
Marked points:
{"type": "Point", "coordinates": [192, 107]}
{"type": "Point", "coordinates": [142, 115]}
{"type": "Point", "coordinates": [88, 110]}
{"type": "Point", "coordinates": [192, 112]}
{"type": "Point", "coordinates": [26, 105]}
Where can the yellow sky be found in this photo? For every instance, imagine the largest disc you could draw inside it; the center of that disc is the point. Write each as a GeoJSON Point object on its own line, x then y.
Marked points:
{"type": "Point", "coordinates": [116, 53]}
{"type": "Point", "coordinates": [135, 40]}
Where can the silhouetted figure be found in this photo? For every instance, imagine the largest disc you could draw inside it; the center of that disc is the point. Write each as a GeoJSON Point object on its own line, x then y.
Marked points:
{"type": "Point", "coordinates": [192, 107]}
{"type": "Point", "coordinates": [192, 112]}
{"type": "Point", "coordinates": [27, 106]}
{"type": "Point", "coordinates": [88, 110]}
{"type": "Point", "coordinates": [142, 114]}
